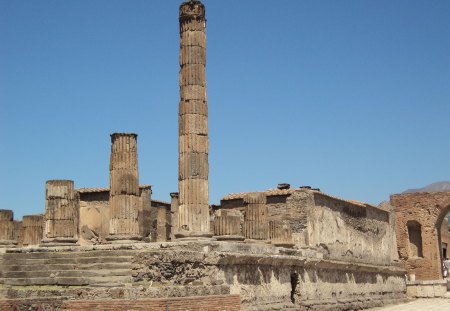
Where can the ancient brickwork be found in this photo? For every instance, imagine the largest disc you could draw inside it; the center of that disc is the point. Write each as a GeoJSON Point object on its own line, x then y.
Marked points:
{"type": "Point", "coordinates": [7, 233]}
{"type": "Point", "coordinates": [196, 303]}
{"type": "Point", "coordinates": [125, 202]}
{"type": "Point", "coordinates": [32, 229]}
{"type": "Point", "coordinates": [61, 212]}
{"type": "Point", "coordinates": [419, 217]}
{"type": "Point", "coordinates": [193, 216]}
{"type": "Point", "coordinates": [256, 226]}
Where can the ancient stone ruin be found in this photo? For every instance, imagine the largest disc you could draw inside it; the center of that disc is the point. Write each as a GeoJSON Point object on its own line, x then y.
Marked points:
{"type": "Point", "coordinates": [285, 248]}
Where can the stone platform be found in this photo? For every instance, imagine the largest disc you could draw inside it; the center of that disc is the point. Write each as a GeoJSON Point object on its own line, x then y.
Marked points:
{"type": "Point", "coordinates": [265, 277]}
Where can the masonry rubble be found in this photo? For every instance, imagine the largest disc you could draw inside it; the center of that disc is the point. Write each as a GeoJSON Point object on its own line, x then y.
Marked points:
{"type": "Point", "coordinates": [280, 249]}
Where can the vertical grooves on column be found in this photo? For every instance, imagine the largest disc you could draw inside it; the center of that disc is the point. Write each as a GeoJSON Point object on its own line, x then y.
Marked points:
{"type": "Point", "coordinates": [125, 203]}
{"type": "Point", "coordinates": [255, 220]}
{"type": "Point", "coordinates": [193, 212]}
{"type": "Point", "coordinates": [61, 210]}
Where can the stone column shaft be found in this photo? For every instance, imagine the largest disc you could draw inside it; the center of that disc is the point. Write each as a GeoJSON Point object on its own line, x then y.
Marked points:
{"type": "Point", "coordinates": [7, 236]}
{"type": "Point", "coordinates": [61, 213]}
{"type": "Point", "coordinates": [255, 221]}
{"type": "Point", "coordinates": [32, 229]}
{"type": "Point", "coordinates": [193, 169]}
{"type": "Point", "coordinates": [126, 206]}
{"type": "Point", "coordinates": [280, 233]}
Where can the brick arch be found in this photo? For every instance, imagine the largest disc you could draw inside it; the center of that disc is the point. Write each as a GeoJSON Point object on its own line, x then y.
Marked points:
{"type": "Point", "coordinates": [429, 210]}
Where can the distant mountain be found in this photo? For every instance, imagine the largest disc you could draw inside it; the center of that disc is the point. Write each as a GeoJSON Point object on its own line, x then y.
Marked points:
{"type": "Point", "coordinates": [437, 186]}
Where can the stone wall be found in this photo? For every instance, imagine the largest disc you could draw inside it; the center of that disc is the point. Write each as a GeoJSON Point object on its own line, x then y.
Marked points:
{"type": "Point", "coordinates": [197, 303]}
{"type": "Point", "coordinates": [419, 217]}
{"type": "Point", "coordinates": [345, 230]}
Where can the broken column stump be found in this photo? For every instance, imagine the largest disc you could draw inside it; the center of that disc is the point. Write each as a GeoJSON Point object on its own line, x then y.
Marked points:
{"type": "Point", "coordinates": [32, 230]}
{"type": "Point", "coordinates": [124, 197]}
{"type": "Point", "coordinates": [7, 229]}
{"type": "Point", "coordinates": [280, 233]}
{"type": "Point", "coordinates": [256, 225]}
{"type": "Point", "coordinates": [61, 213]}
{"type": "Point", "coordinates": [193, 170]}
{"type": "Point", "coordinates": [227, 226]}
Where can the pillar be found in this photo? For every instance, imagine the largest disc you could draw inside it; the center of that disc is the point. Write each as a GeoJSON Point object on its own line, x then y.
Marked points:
{"type": "Point", "coordinates": [227, 226]}
{"type": "Point", "coordinates": [256, 226]}
{"type": "Point", "coordinates": [124, 196]}
{"type": "Point", "coordinates": [32, 230]}
{"type": "Point", "coordinates": [61, 213]}
{"type": "Point", "coordinates": [18, 232]}
{"type": "Point", "coordinates": [193, 168]}
{"type": "Point", "coordinates": [280, 233]}
{"type": "Point", "coordinates": [174, 206]}
{"type": "Point", "coordinates": [7, 228]}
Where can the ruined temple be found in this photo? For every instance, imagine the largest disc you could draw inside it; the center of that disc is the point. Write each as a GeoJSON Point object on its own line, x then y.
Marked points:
{"type": "Point", "coordinates": [287, 248]}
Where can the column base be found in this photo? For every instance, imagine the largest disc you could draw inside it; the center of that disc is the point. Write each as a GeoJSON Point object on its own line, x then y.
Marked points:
{"type": "Point", "coordinates": [124, 239]}
{"type": "Point", "coordinates": [229, 238]}
{"type": "Point", "coordinates": [188, 236]}
{"type": "Point", "coordinates": [284, 244]}
{"type": "Point", "coordinates": [8, 243]}
{"type": "Point", "coordinates": [59, 242]}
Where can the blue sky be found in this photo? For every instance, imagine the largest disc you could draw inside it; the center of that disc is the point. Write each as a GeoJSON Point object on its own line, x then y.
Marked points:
{"type": "Point", "coordinates": [348, 96]}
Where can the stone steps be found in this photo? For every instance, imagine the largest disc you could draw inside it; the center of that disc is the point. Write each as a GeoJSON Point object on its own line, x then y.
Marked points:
{"type": "Point", "coordinates": [64, 267]}
{"type": "Point", "coordinates": [97, 268]}
{"type": "Point", "coordinates": [67, 281]}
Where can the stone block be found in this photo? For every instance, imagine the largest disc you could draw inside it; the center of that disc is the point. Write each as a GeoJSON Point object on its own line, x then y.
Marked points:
{"type": "Point", "coordinates": [193, 38]}
{"type": "Point", "coordinates": [193, 143]}
{"type": "Point", "coordinates": [192, 74]}
{"type": "Point", "coordinates": [193, 124]}
{"type": "Point", "coordinates": [193, 92]}
{"type": "Point", "coordinates": [193, 166]}
{"type": "Point", "coordinates": [192, 55]}
{"type": "Point", "coordinates": [193, 107]}
{"type": "Point", "coordinates": [193, 191]}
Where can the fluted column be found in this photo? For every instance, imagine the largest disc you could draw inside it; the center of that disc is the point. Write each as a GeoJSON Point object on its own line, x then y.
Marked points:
{"type": "Point", "coordinates": [280, 233]}
{"type": "Point", "coordinates": [193, 170]}
{"type": "Point", "coordinates": [61, 213]}
{"type": "Point", "coordinates": [32, 229]}
{"type": "Point", "coordinates": [124, 196]}
{"type": "Point", "coordinates": [7, 228]}
{"type": "Point", "coordinates": [256, 226]}
{"type": "Point", "coordinates": [227, 226]}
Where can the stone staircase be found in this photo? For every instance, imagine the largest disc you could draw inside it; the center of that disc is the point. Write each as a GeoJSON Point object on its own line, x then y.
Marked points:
{"type": "Point", "coordinates": [88, 268]}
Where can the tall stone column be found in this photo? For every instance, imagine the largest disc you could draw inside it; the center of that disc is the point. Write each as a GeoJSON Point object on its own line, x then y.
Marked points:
{"type": "Point", "coordinates": [61, 213]}
{"type": "Point", "coordinates": [124, 196]}
{"type": "Point", "coordinates": [7, 228]}
{"type": "Point", "coordinates": [256, 226]}
{"type": "Point", "coordinates": [193, 149]}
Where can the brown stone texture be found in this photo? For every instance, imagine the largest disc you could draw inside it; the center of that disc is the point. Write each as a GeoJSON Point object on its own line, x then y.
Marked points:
{"type": "Point", "coordinates": [347, 230]}
{"type": "Point", "coordinates": [228, 225]}
{"type": "Point", "coordinates": [193, 211]}
{"type": "Point", "coordinates": [61, 210]}
{"type": "Point", "coordinates": [174, 207]}
{"type": "Point", "coordinates": [445, 237]}
{"type": "Point", "coordinates": [32, 229]}
{"type": "Point", "coordinates": [419, 217]}
{"type": "Point", "coordinates": [280, 233]}
{"type": "Point", "coordinates": [7, 233]}
{"type": "Point", "coordinates": [256, 225]}
{"type": "Point", "coordinates": [125, 203]}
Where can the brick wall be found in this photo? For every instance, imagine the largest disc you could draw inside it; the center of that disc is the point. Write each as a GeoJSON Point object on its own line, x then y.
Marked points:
{"type": "Point", "coordinates": [199, 303]}
{"type": "Point", "coordinates": [426, 211]}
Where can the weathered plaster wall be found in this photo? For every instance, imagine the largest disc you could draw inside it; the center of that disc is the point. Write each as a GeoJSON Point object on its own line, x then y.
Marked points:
{"type": "Point", "coordinates": [425, 211]}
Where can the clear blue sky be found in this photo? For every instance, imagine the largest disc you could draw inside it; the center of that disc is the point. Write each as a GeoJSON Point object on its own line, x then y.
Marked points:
{"type": "Point", "coordinates": [352, 97]}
